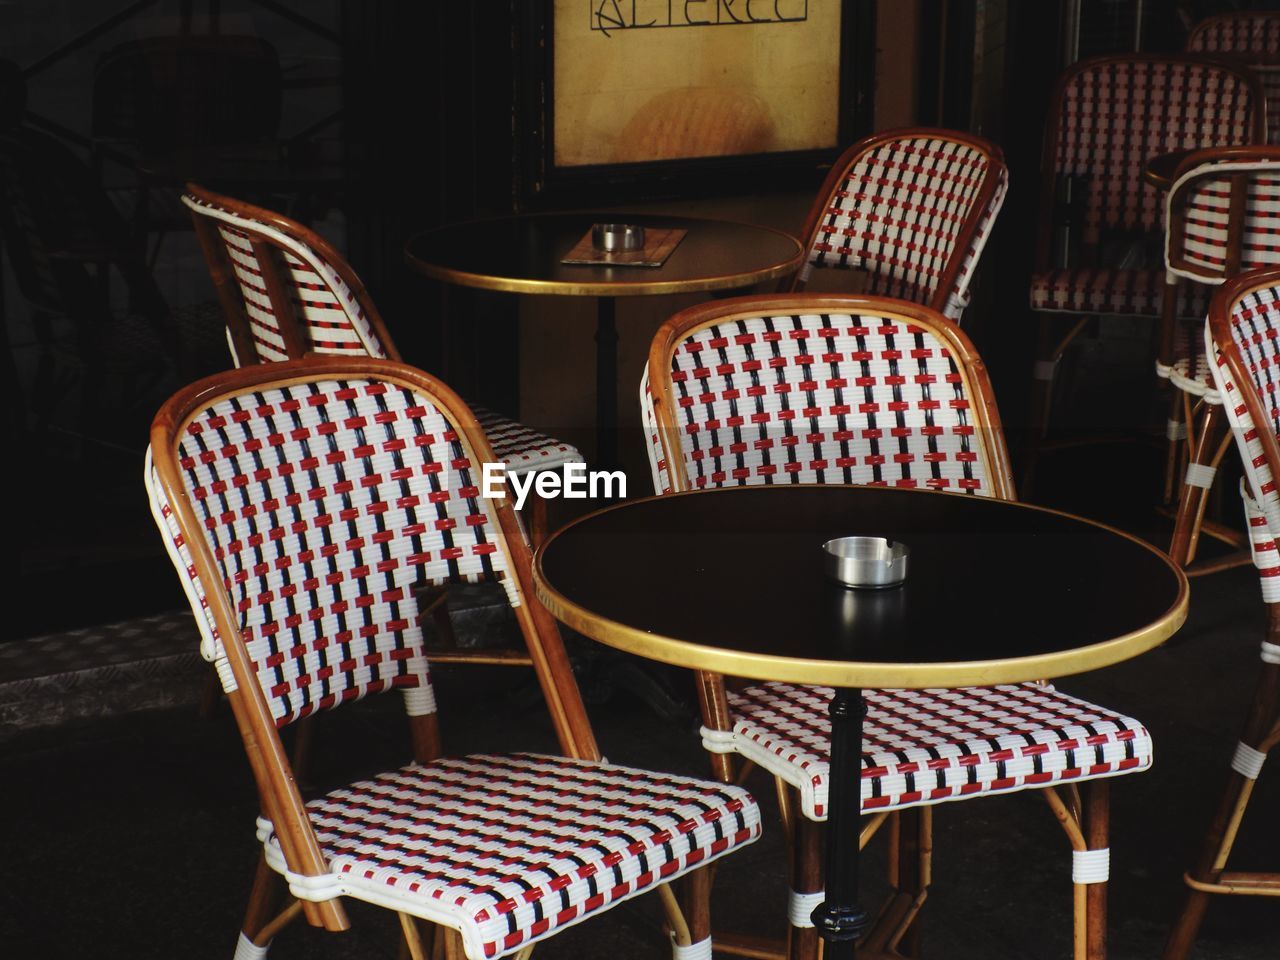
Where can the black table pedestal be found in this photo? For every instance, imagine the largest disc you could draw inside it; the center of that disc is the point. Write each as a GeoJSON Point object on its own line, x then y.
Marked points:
{"type": "Point", "coordinates": [606, 383]}
{"type": "Point", "coordinates": [839, 919]}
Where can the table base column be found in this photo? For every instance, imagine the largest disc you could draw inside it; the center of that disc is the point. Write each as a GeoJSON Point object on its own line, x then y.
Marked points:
{"type": "Point", "coordinates": [839, 919]}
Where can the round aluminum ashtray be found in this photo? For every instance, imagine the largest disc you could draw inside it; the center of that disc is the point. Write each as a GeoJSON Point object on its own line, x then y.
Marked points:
{"type": "Point", "coordinates": [614, 237]}
{"type": "Point", "coordinates": [866, 562]}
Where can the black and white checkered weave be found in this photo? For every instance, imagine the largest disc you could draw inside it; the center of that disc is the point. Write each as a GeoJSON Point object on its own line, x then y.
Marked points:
{"type": "Point", "coordinates": [509, 850]}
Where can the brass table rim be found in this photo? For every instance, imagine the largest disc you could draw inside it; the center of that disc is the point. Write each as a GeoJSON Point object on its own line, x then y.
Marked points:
{"type": "Point", "coordinates": [757, 666]}
{"type": "Point", "coordinates": [605, 288]}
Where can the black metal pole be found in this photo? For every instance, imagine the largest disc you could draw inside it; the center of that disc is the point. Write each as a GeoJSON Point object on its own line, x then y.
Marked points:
{"type": "Point", "coordinates": [606, 383]}
{"type": "Point", "coordinates": [839, 919]}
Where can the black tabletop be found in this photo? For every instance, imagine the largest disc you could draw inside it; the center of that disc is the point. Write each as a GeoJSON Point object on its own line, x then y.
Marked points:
{"type": "Point", "coordinates": [522, 255]}
{"type": "Point", "coordinates": [732, 580]}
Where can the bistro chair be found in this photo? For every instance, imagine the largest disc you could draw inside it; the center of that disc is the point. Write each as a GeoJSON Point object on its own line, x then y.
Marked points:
{"type": "Point", "coordinates": [868, 390]}
{"type": "Point", "coordinates": [306, 504]}
{"type": "Point", "coordinates": [1109, 116]}
{"type": "Point", "coordinates": [910, 211]}
{"type": "Point", "coordinates": [1221, 220]}
{"type": "Point", "coordinates": [286, 292]}
{"type": "Point", "coordinates": [1252, 38]}
{"type": "Point", "coordinates": [1241, 334]}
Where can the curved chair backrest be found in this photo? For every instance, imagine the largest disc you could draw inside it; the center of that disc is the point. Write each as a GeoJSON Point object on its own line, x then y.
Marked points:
{"type": "Point", "coordinates": [911, 209]}
{"type": "Point", "coordinates": [1112, 114]}
{"type": "Point", "coordinates": [283, 288]}
{"type": "Point", "coordinates": [1223, 216]}
{"type": "Point", "coordinates": [801, 388]}
{"type": "Point", "coordinates": [1253, 39]}
{"type": "Point", "coordinates": [307, 501]}
{"type": "Point", "coordinates": [1243, 335]}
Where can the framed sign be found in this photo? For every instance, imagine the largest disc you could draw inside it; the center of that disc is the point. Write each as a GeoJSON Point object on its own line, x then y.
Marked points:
{"type": "Point", "coordinates": [633, 97]}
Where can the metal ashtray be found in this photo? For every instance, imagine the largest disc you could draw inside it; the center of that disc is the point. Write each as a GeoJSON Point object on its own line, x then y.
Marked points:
{"type": "Point", "coordinates": [613, 237]}
{"type": "Point", "coordinates": [867, 562]}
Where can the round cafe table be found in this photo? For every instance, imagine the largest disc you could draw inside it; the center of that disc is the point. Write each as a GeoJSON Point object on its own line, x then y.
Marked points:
{"type": "Point", "coordinates": [522, 255]}
{"type": "Point", "coordinates": [731, 581]}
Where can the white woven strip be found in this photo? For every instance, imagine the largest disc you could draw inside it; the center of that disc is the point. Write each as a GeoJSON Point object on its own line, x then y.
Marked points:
{"type": "Point", "coordinates": [324, 887]}
{"type": "Point", "coordinates": [1200, 475]}
{"type": "Point", "coordinates": [1247, 761]}
{"type": "Point", "coordinates": [718, 741]}
{"type": "Point", "coordinates": [1270, 652]}
{"type": "Point", "coordinates": [694, 951]}
{"type": "Point", "coordinates": [800, 907]}
{"type": "Point", "coordinates": [1044, 369]}
{"type": "Point", "coordinates": [225, 676]}
{"type": "Point", "coordinates": [1163, 370]}
{"type": "Point", "coordinates": [246, 950]}
{"type": "Point", "coordinates": [1175, 430]}
{"type": "Point", "coordinates": [420, 701]}
{"type": "Point", "coordinates": [1090, 866]}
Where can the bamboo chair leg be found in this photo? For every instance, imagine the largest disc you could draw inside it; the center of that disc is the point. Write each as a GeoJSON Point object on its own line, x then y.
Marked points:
{"type": "Point", "coordinates": [261, 923]}
{"type": "Point", "coordinates": [412, 937]}
{"type": "Point", "coordinates": [1216, 849]}
{"type": "Point", "coordinates": [1088, 866]}
{"type": "Point", "coordinates": [1177, 427]}
{"type": "Point", "coordinates": [806, 882]}
{"type": "Point", "coordinates": [452, 944]}
{"type": "Point", "coordinates": [537, 521]}
{"type": "Point", "coordinates": [1208, 450]}
{"type": "Point", "coordinates": [913, 867]}
{"type": "Point", "coordinates": [1047, 356]}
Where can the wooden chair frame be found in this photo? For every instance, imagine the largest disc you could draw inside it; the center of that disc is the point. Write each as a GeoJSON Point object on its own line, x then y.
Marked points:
{"type": "Point", "coordinates": [1210, 438]}
{"type": "Point", "coordinates": [968, 230]}
{"type": "Point", "coordinates": [1056, 333]}
{"type": "Point", "coordinates": [1261, 731]}
{"type": "Point", "coordinates": [1084, 820]}
{"type": "Point", "coordinates": [278, 791]}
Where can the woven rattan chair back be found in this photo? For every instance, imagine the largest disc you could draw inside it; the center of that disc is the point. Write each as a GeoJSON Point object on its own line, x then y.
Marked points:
{"type": "Point", "coordinates": [800, 388]}
{"type": "Point", "coordinates": [1224, 213]}
{"type": "Point", "coordinates": [285, 291]}
{"type": "Point", "coordinates": [1243, 336]}
{"type": "Point", "coordinates": [910, 210]}
{"type": "Point", "coordinates": [1112, 114]}
{"type": "Point", "coordinates": [1253, 39]}
{"type": "Point", "coordinates": [311, 502]}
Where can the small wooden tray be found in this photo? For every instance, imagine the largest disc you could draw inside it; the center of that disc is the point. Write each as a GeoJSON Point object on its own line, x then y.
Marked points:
{"type": "Point", "coordinates": [658, 244]}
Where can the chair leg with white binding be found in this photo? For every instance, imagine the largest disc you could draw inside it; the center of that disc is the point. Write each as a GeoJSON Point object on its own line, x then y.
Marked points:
{"type": "Point", "coordinates": [689, 916]}
{"type": "Point", "coordinates": [1087, 828]}
{"type": "Point", "coordinates": [1210, 876]}
{"type": "Point", "coordinates": [1211, 442]}
{"type": "Point", "coordinates": [260, 923]}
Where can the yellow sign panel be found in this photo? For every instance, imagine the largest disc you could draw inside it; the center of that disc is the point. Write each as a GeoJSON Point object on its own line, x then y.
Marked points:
{"type": "Point", "coordinates": [639, 80]}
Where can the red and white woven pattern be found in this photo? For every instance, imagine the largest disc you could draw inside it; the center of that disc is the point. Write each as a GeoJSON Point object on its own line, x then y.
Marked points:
{"type": "Point", "coordinates": [1255, 329]}
{"type": "Point", "coordinates": [959, 297]}
{"type": "Point", "coordinates": [1114, 291]}
{"type": "Point", "coordinates": [325, 504]}
{"type": "Point", "coordinates": [649, 421]}
{"type": "Point", "coordinates": [523, 449]}
{"type": "Point", "coordinates": [897, 213]}
{"type": "Point", "coordinates": [1190, 371]}
{"type": "Point", "coordinates": [1117, 113]}
{"type": "Point", "coordinates": [509, 850]}
{"type": "Point", "coordinates": [327, 312]}
{"type": "Point", "coordinates": [824, 398]}
{"type": "Point", "coordinates": [930, 746]}
{"type": "Point", "coordinates": [1204, 197]}
{"type": "Point", "coordinates": [1253, 38]}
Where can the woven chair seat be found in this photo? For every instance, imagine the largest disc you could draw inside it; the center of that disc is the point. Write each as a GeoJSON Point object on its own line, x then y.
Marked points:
{"type": "Point", "coordinates": [510, 849]}
{"type": "Point", "coordinates": [923, 747]}
{"type": "Point", "coordinates": [522, 448]}
{"type": "Point", "coordinates": [1190, 370]}
{"type": "Point", "coordinates": [1114, 292]}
